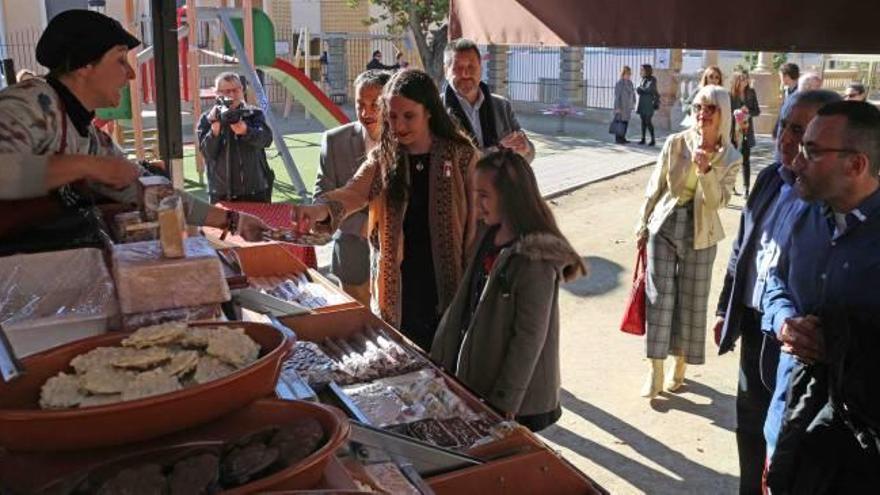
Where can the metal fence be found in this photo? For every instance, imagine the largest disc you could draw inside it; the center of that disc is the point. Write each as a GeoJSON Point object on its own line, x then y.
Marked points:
{"type": "Point", "coordinates": [533, 73]}
{"type": "Point", "coordinates": [359, 48]}
{"type": "Point", "coordinates": [21, 47]}
{"type": "Point", "coordinates": [602, 68]}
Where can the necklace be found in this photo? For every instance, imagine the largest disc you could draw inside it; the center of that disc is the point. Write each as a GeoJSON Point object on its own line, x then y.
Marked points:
{"type": "Point", "coordinates": [420, 164]}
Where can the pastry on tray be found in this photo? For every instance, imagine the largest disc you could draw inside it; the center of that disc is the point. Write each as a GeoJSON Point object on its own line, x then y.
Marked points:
{"type": "Point", "coordinates": [151, 361]}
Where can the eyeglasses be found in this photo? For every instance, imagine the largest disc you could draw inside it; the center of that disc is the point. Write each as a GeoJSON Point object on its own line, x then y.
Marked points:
{"type": "Point", "coordinates": [698, 107]}
{"type": "Point", "coordinates": [813, 154]}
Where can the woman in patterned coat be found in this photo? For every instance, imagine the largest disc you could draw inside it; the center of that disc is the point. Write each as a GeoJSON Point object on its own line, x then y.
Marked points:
{"type": "Point", "coordinates": [417, 185]}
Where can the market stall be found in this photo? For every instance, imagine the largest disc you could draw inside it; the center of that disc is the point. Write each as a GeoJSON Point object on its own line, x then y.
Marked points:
{"type": "Point", "coordinates": [164, 355]}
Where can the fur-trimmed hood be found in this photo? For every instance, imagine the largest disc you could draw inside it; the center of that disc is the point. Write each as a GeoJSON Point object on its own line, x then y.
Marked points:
{"type": "Point", "coordinates": [549, 247]}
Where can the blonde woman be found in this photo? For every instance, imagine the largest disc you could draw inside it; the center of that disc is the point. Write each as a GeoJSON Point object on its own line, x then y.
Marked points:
{"type": "Point", "coordinates": [711, 75]}
{"type": "Point", "coordinates": [624, 103]}
{"type": "Point", "coordinates": [680, 226]}
{"type": "Point", "coordinates": [744, 104]}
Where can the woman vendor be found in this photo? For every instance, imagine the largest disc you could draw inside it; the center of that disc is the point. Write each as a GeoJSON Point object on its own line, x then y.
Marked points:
{"type": "Point", "coordinates": [53, 160]}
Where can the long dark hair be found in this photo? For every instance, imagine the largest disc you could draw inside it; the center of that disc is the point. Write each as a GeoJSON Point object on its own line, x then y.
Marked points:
{"type": "Point", "coordinates": [415, 85]}
{"type": "Point", "coordinates": [521, 202]}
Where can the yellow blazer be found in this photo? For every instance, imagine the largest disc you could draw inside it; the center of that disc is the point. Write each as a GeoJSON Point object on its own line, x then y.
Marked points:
{"type": "Point", "coordinates": [670, 178]}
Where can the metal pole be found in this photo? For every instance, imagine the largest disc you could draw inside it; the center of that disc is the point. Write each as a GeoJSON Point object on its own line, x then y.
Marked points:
{"type": "Point", "coordinates": [195, 81]}
{"type": "Point", "coordinates": [134, 86]}
{"type": "Point", "coordinates": [168, 87]}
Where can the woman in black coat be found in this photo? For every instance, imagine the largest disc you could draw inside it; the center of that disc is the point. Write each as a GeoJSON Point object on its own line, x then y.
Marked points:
{"type": "Point", "coordinates": [649, 100]}
{"type": "Point", "coordinates": [743, 100]}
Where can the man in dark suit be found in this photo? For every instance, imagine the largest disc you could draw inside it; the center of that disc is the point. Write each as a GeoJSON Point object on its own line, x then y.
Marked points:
{"type": "Point", "coordinates": [486, 117]}
{"type": "Point", "coordinates": [765, 220]}
{"type": "Point", "coordinates": [343, 150]}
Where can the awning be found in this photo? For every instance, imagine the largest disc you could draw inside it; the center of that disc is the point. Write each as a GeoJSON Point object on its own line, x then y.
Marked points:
{"type": "Point", "coordinates": [752, 25]}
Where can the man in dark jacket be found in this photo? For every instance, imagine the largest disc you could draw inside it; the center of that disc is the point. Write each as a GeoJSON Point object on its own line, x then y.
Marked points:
{"type": "Point", "coordinates": [739, 305]}
{"type": "Point", "coordinates": [487, 118]}
{"type": "Point", "coordinates": [232, 137]}
{"type": "Point", "coordinates": [830, 438]}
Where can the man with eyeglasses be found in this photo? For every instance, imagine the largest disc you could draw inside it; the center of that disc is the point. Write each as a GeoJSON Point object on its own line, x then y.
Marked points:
{"type": "Point", "coordinates": [765, 221]}
{"type": "Point", "coordinates": [232, 138]}
{"type": "Point", "coordinates": [829, 271]}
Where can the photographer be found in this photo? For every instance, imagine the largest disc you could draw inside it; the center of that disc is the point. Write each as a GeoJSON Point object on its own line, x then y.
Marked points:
{"type": "Point", "coordinates": [232, 138]}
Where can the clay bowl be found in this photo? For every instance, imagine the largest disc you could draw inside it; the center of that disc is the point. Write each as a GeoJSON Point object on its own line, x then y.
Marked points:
{"type": "Point", "coordinates": [39, 472]}
{"type": "Point", "coordinates": [25, 427]}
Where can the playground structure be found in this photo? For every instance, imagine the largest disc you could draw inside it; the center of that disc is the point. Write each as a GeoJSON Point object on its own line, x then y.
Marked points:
{"type": "Point", "coordinates": [246, 51]}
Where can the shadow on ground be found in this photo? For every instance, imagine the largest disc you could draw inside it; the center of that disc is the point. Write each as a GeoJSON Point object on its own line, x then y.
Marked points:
{"type": "Point", "coordinates": [687, 476]}
{"type": "Point", "coordinates": [604, 276]}
{"type": "Point", "coordinates": [720, 410]}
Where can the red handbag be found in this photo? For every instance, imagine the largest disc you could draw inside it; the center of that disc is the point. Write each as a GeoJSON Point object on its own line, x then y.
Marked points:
{"type": "Point", "coordinates": [634, 317]}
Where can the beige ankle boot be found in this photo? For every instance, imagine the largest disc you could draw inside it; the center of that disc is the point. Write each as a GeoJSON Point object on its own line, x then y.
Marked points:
{"type": "Point", "coordinates": [676, 374]}
{"type": "Point", "coordinates": [654, 383]}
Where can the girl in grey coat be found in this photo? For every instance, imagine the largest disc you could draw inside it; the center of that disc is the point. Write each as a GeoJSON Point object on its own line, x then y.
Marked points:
{"type": "Point", "coordinates": [624, 102]}
{"type": "Point", "coordinates": [500, 335]}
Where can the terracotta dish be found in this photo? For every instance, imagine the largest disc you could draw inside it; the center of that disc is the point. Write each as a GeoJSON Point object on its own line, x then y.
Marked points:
{"type": "Point", "coordinates": [24, 427]}
{"type": "Point", "coordinates": [39, 472]}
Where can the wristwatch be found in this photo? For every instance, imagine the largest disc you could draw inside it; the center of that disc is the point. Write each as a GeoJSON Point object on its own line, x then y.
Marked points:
{"type": "Point", "coordinates": [232, 218]}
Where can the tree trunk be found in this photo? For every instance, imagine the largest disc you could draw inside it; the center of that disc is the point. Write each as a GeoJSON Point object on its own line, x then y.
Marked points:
{"type": "Point", "coordinates": [432, 54]}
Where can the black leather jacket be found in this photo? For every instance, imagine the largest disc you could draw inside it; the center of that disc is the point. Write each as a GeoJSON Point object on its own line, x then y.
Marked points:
{"type": "Point", "coordinates": [248, 166]}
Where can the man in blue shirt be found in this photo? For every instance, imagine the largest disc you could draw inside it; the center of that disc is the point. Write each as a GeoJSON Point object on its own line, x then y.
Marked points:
{"type": "Point", "coordinates": [832, 259]}
{"type": "Point", "coordinates": [764, 227]}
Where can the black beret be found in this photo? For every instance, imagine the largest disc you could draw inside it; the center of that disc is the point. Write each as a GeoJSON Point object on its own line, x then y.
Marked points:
{"type": "Point", "coordinates": [75, 38]}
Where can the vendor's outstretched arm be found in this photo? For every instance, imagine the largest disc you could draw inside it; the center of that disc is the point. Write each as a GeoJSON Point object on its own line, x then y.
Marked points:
{"type": "Point", "coordinates": [200, 213]}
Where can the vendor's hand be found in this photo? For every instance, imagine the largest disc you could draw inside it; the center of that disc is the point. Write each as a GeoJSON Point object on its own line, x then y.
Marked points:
{"type": "Point", "coordinates": [215, 128]}
{"type": "Point", "coordinates": [250, 227]}
{"type": "Point", "coordinates": [239, 128]}
{"type": "Point", "coordinates": [113, 171]}
{"type": "Point", "coordinates": [642, 241]}
{"type": "Point", "coordinates": [802, 337]}
{"type": "Point", "coordinates": [717, 329]}
{"type": "Point", "coordinates": [702, 160]}
{"type": "Point", "coordinates": [305, 216]}
{"type": "Point", "coordinates": [516, 141]}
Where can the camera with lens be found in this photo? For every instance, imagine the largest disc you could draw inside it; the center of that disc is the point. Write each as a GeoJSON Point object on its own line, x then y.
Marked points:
{"type": "Point", "coordinates": [228, 115]}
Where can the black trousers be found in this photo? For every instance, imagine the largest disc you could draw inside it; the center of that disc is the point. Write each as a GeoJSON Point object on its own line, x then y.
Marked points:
{"type": "Point", "coordinates": [647, 125]}
{"type": "Point", "coordinates": [752, 401]}
{"type": "Point", "coordinates": [746, 152]}
{"type": "Point", "coordinates": [830, 461]}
